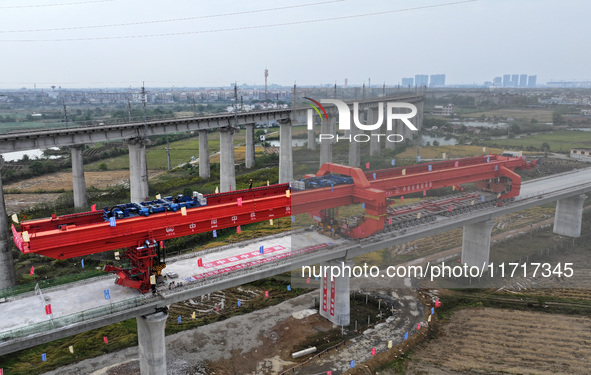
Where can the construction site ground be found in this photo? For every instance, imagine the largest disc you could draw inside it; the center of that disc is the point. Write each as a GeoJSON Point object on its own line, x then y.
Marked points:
{"type": "Point", "coordinates": [260, 342]}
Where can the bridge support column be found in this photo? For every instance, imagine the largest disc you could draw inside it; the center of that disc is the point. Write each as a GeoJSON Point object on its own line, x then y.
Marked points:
{"type": "Point", "coordinates": [569, 215]}
{"type": "Point", "coordinates": [79, 185]}
{"type": "Point", "coordinates": [138, 169]}
{"type": "Point", "coordinates": [476, 243]}
{"type": "Point", "coordinates": [285, 153]}
{"type": "Point", "coordinates": [333, 130]}
{"type": "Point", "coordinates": [325, 144]}
{"type": "Point", "coordinates": [152, 343]}
{"type": "Point", "coordinates": [334, 295]}
{"type": "Point", "coordinates": [392, 145]}
{"type": "Point", "coordinates": [7, 274]}
{"type": "Point", "coordinates": [311, 132]}
{"type": "Point", "coordinates": [354, 146]}
{"type": "Point", "coordinates": [203, 155]}
{"type": "Point", "coordinates": [227, 172]}
{"type": "Point", "coordinates": [374, 142]}
{"type": "Point", "coordinates": [250, 145]}
{"type": "Point", "coordinates": [419, 123]}
{"type": "Point", "coordinates": [311, 140]}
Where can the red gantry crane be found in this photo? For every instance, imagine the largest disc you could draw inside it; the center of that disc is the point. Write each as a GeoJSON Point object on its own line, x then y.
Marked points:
{"type": "Point", "coordinates": [141, 233]}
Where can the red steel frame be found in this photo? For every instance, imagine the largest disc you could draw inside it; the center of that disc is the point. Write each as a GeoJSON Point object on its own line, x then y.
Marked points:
{"type": "Point", "coordinates": [65, 237]}
{"type": "Point", "coordinates": [86, 233]}
{"type": "Point", "coordinates": [492, 172]}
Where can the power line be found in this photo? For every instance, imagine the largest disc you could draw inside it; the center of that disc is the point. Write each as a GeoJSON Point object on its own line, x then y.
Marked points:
{"type": "Point", "coordinates": [55, 5]}
{"type": "Point", "coordinates": [243, 27]}
{"type": "Point", "coordinates": [175, 19]}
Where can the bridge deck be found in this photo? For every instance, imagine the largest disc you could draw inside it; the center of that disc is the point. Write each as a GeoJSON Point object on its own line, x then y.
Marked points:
{"type": "Point", "coordinates": [75, 302]}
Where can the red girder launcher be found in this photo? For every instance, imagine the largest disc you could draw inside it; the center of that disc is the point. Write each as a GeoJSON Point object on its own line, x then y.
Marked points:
{"type": "Point", "coordinates": [68, 236]}
{"type": "Point", "coordinates": [492, 173]}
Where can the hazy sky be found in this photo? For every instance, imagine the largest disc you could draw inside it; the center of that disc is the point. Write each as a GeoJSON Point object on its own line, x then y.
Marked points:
{"type": "Point", "coordinates": [470, 41]}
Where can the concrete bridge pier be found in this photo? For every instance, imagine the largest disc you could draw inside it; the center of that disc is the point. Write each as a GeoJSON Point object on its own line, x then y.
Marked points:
{"type": "Point", "coordinates": [311, 133]}
{"type": "Point", "coordinates": [476, 243]}
{"type": "Point", "coordinates": [419, 123]}
{"type": "Point", "coordinates": [335, 295]}
{"type": "Point", "coordinates": [152, 343]}
{"type": "Point", "coordinates": [79, 185]}
{"type": "Point", "coordinates": [285, 152]}
{"type": "Point", "coordinates": [374, 142]}
{"type": "Point", "coordinates": [325, 144]}
{"type": "Point", "coordinates": [569, 215]}
{"type": "Point", "coordinates": [354, 147]}
{"type": "Point", "coordinates": [334, 130]}
{"type": "Point", "coordinates": [7, 274]}
{"type": "Point", "coordinates": [203, 155]}
{"type": "Point", "coordinates": [312, 140]}
{"type": "Point", "coordinates": [227, 171]}
{"type": "Point", "coordinates": [250, 146]}
{"type": "Point", "coordinates": [395, 130]}
{"type": "Point", "coordinates": [138, 169]}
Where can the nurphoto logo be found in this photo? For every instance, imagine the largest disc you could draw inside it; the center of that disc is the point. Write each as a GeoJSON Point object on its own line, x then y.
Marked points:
{"type": "Point", "coordinates": [392, 113]}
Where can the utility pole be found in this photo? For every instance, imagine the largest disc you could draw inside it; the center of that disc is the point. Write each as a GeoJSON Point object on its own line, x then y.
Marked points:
{"type": "Point", "coordinates": [128, 110]}
{"type": "Point", "coordinates": [65, 112]}
{"type": "Point", "coordinates": [266, 75]}
{"type": "Point", "coordinates": [235, 105]}
{"type": "Point", "coordinates": [144, 109]}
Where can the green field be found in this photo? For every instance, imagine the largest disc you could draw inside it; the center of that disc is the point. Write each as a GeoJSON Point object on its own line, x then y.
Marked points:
{"type": "Point", "coordinates": [559, 141]}
{"type": "Point", "coordinates": [541, 115]}
{"type": "Point", "coordinates": [180, 153]}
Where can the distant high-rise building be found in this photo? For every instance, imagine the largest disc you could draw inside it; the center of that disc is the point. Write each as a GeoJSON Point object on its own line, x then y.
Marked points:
{"type": "Point", "coordinates": [506, 80]}
{"type": "Point", "coordinates": [531, 81]}
{"type": "Point", "coordinates": [437, 80]}
{"type": "Point", "coordinates": [408, 81]}
{"type": "Point", "coordinates": [514, 80]}
{"type": "Point", "coordinates": [421, 80]}
{"type": "Point", "coordinates": [498, 82]}
{"type": "Point", "coordinates": [523, 80]}
{"type": "Point", "coordinates": [346, 82]}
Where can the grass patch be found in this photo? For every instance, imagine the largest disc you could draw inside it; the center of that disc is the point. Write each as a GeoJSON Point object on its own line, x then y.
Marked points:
{"type": "Point", "coordinates": [452, 152]}
{"type": "Point", "coordinates": [86, 345]}
{"type": "Point", "coordinates": [559, 141]}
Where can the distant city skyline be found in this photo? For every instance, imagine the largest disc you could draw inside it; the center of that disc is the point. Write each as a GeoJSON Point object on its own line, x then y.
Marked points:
{"type": "Point", "coordinates": [209, 44]}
